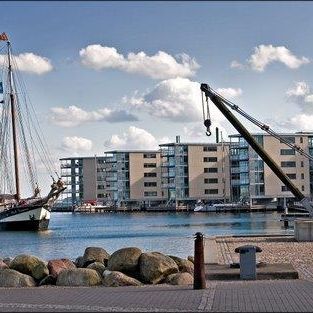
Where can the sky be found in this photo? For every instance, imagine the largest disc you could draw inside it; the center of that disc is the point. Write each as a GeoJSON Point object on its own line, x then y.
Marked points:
{"type": "Point", "coordinates": [125, 75]}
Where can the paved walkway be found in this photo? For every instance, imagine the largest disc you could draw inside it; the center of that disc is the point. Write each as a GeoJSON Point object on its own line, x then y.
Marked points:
{"type": "Point", "coordinates": [220, 296]}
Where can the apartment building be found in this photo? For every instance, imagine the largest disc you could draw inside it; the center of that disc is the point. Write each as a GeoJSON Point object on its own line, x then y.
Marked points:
{"type": "Point", "coordinates": [84, 179]}
{"type": "Point", "coordinates": [133, 177]}
{"type": "Point", "coordinates": [193, 171]}
{"type": "Point", "coordinates": [252, 179]}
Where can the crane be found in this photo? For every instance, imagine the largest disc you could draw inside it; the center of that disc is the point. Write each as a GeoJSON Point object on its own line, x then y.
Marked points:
{"type": "Point", "coordinates": [222, 104]}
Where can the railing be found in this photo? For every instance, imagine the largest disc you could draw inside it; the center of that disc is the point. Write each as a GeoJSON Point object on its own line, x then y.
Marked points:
{"type": "Point", "coordinates": [168, 185]}
{"type": "Point", "coordinates": [168, 175]}
{"type": "Point", "coordinates": [235, 170]}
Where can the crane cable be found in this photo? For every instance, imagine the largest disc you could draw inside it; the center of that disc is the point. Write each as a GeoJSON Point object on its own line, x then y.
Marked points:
{"type": "Point", "coordinates": [206, 117]}
{"type": "Point", "coordinates": [256, 122]}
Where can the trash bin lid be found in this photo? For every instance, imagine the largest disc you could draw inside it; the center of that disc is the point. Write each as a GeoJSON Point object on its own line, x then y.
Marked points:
{"type": "Point", "coordinates": [246, 248]}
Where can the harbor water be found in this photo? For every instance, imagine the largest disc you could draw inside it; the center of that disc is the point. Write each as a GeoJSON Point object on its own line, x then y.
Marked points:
{"type": "Point", "coordinates": [171, 233]}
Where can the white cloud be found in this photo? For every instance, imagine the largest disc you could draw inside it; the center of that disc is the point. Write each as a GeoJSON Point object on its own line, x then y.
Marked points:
{"type": "Point", "coordinates": [76, 144]}
{"type": "Point", "coordinates": [31, 63]}
{"type": "Point", "coordinates": [159, 66]}
{"type": "Point", "coordinates": [302, 95]}
{"type": "Point", "coordinates": [176, 99]}
{"type": "Point", "coordinates": [300, 89]}
{"type": "Point", "coordinates": [236, 64]}
{"type": "Point", "coordinates": [229, 93]}
{"type": "Point", "coordinates": [135, 138]}
{"type": "Point", "coordinates": [73, 116]}
{"type": "Point", "coordinates": [264, 55]}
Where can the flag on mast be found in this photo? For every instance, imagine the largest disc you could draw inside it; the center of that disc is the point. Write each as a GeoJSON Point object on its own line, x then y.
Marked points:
{"type": "Point", "coordinates": [4, 37]}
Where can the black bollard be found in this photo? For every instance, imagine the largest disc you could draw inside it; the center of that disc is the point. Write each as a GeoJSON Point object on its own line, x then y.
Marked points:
{"type": "Point", "coordinates": [199, 274]}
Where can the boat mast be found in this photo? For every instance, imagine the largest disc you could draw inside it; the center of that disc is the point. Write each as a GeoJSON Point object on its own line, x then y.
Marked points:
{"type": "Point", "coordinates": [13, 116]}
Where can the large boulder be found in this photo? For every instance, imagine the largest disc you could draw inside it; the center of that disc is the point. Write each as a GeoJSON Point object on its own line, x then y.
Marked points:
{"type": "Point", "coordinates": [48, 280]}
{"type": "Point", "coordinates": [79, 262]}
{"type": "Point", "coordinates": [191, 258]}
{"type": "Point", "coordinates": [12, 278]}
{"type": "Point", "coordinates": [125, 260]}
{"type": "Point", "coordinates": [78, 277]}
{"type": "Point", "coordinates": [155, 266]}
{"type": "Point", "coordinates": [7, 261]}
{"type": "Point", "coordinates": [58, 265]}
{"type": "Point", "coordinates": [30, 265]}
{"type": "Point", "coordinates": [3, 265]}
{"type": "Point", "coordinates": [95, 254]}
{"type": "Point", "coordinates": [97, 266]}
{"type": "Point", "coordinates": [180, 279]}
{"type": "Point", "coordinates": [116, 279]}
{"type": "Point", "coordinates": [183, 264]}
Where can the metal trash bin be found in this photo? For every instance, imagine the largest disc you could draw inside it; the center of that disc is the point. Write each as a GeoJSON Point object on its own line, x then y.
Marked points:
{"type": "Point", "coordinates": [248, 261]}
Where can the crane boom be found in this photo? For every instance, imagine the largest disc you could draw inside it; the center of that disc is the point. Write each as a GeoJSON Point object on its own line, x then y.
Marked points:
{"type": "Point", "coordinates": [219, 102]}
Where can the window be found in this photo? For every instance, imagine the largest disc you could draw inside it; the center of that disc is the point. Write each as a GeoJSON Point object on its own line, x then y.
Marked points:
{"type": "Point", "coordinates": [287, 152]}
{"type": "Point", "coordinates": [302, 188]}
{"type": "Point", "coordinates": [149, 165]}
{"type": "Point", "coordinates": [302, 164]}
{"type": "Point", "coordinates": [211, 180]}
{"type": "Point", "coordinates": [288, 138]}
{"type": "Point", "coordinates": [149, 155]}
{"type": "Point", "coordinates": [100, 186]}
{"type": "Point", "coordinates": [150, 184]}
{"type": "Point", "coordinates": [209, 148]}
{"type": "Point", "coordinates": [292, 176]}
{"type": "Point", "coordinates": [150, 174]}
{"type": "Point", "coordinates": [100, 195]}
{"type": "Point", "coordinates": [288, 164]}
{"type": "Point", "coordinates": [302, 175]}
{"type": "Point", "coordinates": [210, 170]}
{"type": "Point", "coordinates": [150, 193]}
{"type": "Point", "coordinates": [209, 159]}
{"type": "Point", "coordinates": [211, 191]}
{"type": "Point", "coordinates": [284, 188]}
{"type": "Point", "coordinates": [301, 139]}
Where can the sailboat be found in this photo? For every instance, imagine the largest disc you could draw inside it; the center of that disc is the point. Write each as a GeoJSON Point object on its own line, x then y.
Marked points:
{"type": "Point", "coordinates": [22, 148]}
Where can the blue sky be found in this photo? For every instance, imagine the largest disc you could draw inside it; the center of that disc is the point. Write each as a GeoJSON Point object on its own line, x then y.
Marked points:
{"type": "Point", "coordinates": [212, 34]}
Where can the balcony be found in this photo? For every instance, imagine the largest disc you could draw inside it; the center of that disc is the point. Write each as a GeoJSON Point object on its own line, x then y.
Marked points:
{"type": "Point", "coordinates": [110, 160]}
{"type": "Point", "coordinates": [111, 188]}
{"type": "Point", "coordinates": [110, 178]}
{"type": "Point", "coordinates": [168, 175]}
{"type": "Point", "coordinates": [167, 153]}
{"type": "Point", "coordinates": [235, 170]}
{"type": "Point", "coordinates": [168, 185]}
{"type": "Point", "coordinates": [66, 165]}
{"type": "Point", "coordinates": [167, 164]}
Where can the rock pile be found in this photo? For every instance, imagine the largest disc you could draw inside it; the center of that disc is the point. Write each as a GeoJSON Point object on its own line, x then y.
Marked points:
{"type": "Point", "coordinates": [125, 267]}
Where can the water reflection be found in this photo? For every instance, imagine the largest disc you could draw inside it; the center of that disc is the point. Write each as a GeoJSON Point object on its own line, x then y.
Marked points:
{"type": "Point", "coordinates": [172, 233]}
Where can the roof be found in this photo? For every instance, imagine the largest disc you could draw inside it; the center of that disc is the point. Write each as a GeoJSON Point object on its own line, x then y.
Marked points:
{"type": "Point", "coordinates": [132, 151]}
{"type": "Point", "coordinates": [193, 144]}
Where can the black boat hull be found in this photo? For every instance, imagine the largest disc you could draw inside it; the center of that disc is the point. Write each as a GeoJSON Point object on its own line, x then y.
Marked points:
{"type": "Point", "coordinates": [25, 225]}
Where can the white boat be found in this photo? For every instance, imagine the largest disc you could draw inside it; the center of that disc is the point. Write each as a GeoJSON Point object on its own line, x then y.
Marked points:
{"type": "Point", "coordinates": [21, 146]}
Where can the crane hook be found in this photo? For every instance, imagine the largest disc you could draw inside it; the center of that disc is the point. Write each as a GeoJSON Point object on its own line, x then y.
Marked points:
{"type": "Point", "coordinates": [207, 124]}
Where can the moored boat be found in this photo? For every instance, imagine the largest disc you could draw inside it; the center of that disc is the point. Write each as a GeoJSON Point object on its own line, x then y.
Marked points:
{"type": "Point", "coordinates": [21, 143]}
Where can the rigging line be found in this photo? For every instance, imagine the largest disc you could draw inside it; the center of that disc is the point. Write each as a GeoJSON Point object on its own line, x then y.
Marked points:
{"type": "Point", "coordinates": [32, 174]}
{"type": "Point", "coordinates": [46, 160]}
{"type": "Point", "coordinates": [49, 164]}
{"type": "Point", "coordinates": [23, 142]}
{"type": "Point", "coordinates": [263, 126]}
